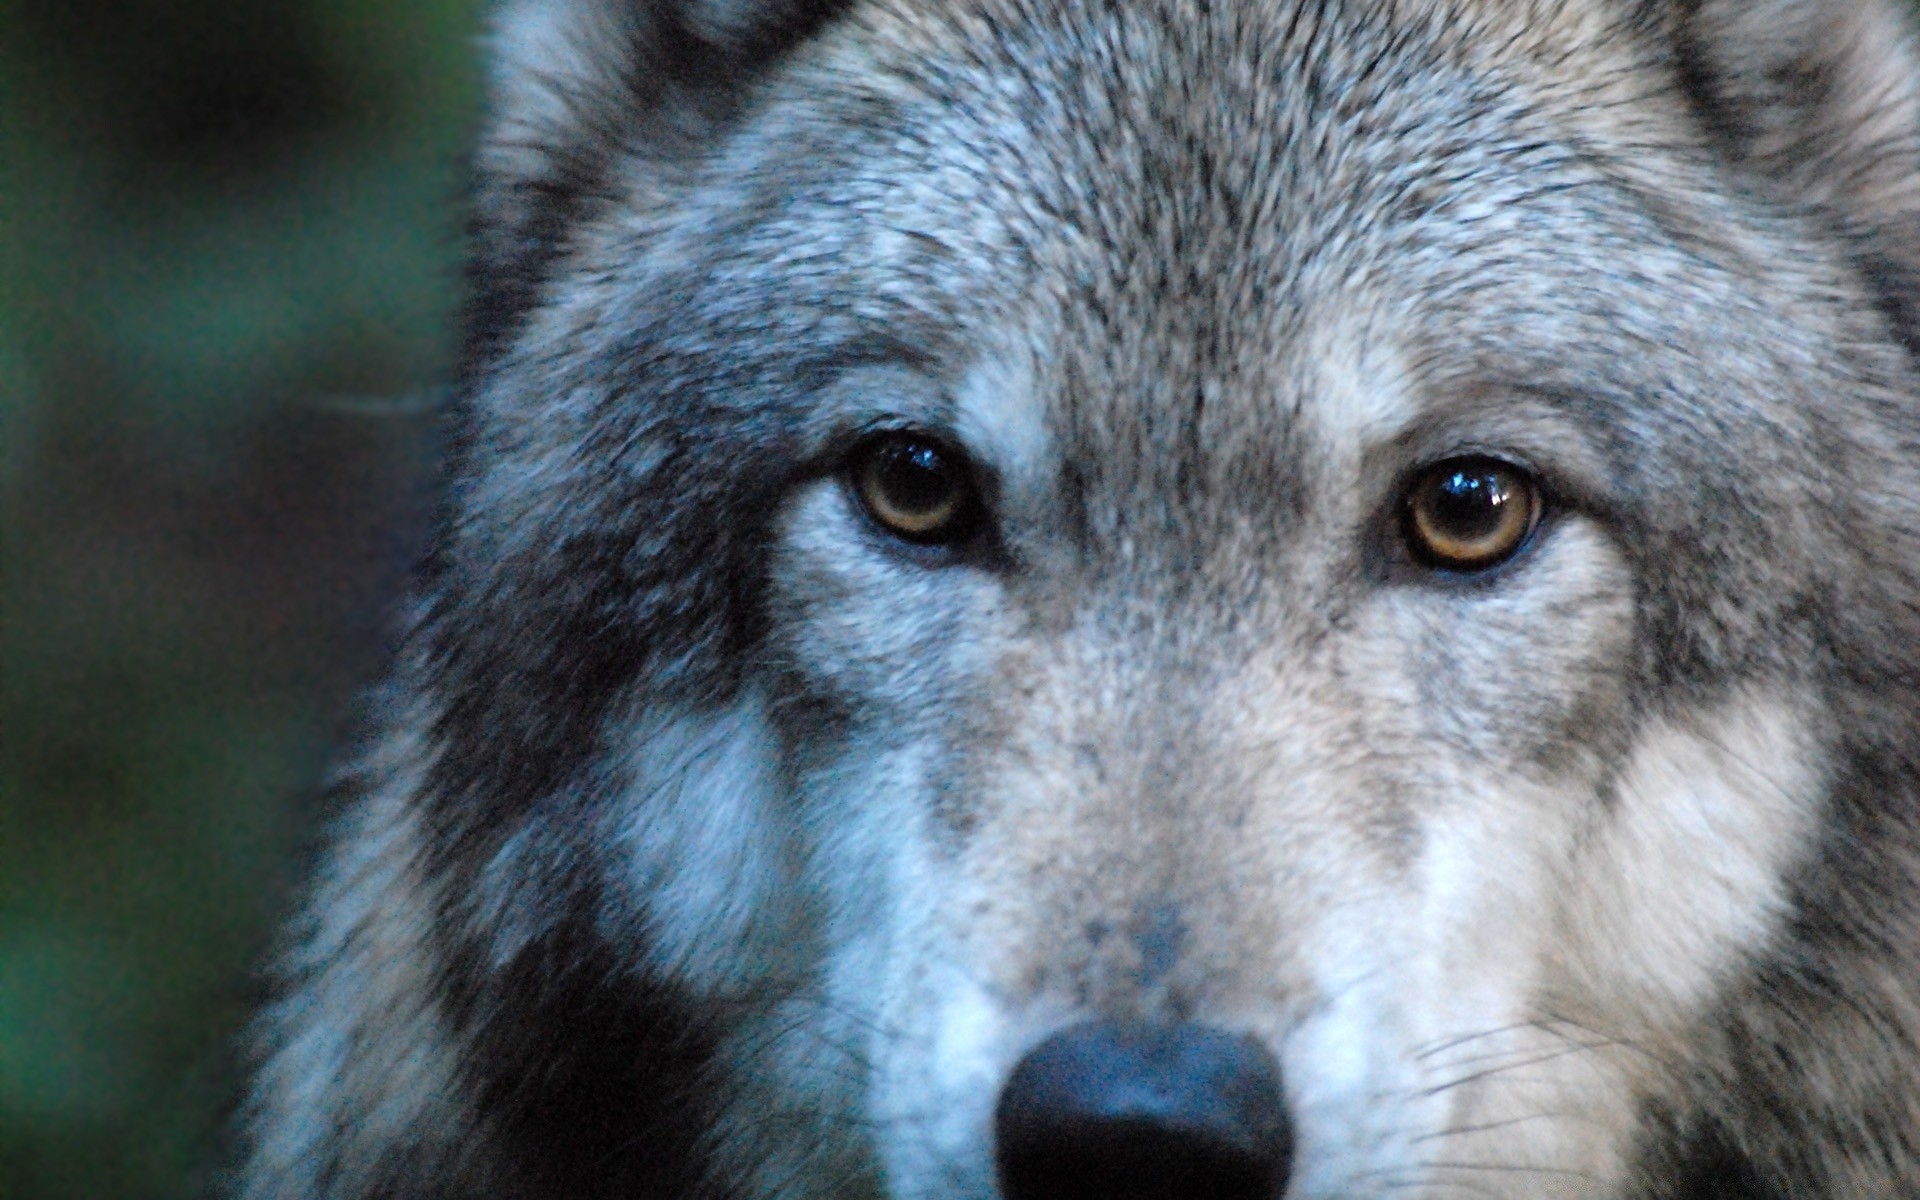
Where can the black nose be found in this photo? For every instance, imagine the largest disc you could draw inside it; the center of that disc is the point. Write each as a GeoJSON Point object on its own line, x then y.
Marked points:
{"type": "Point", "coordinates": [1144, 1112]}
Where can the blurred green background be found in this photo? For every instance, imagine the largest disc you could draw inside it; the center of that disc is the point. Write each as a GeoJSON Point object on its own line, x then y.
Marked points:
{"type": "Point", "coordinates": [229, 244]}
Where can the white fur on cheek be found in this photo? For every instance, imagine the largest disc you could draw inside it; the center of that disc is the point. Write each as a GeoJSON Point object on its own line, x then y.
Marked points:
{"type": "Point", "coordinates": [1689, 870]}
{"type": "Point", "coordinates": [1348, 1087]}
{"type": "Point", "coordinates": [706, 844]}
{"type": "Point", "coordinates": [937, 1105]}
{"type": "Point", "coordinates": [1655, 902]}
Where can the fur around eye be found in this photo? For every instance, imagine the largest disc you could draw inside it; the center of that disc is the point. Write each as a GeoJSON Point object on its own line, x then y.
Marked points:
{"type": "Point", "coordinates": [915, 488]}
{"type": "Point", "coordinates": [1470, 514]}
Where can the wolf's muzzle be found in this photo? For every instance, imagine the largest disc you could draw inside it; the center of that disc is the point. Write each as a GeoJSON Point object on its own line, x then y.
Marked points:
{"type": "Point", "coordinates": [1144, 1112]}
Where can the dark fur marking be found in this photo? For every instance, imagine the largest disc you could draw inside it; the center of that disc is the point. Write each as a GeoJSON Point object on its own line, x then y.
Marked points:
{"type": "Point", "coordinates": [531, 673]}
{"type": "Point", "coordinates": [1896, 289]}
{"type": "Point", "coordinates": [1695, 74]}
{"type": "Point", "coordinates": [1711, 1169]}
{"type": "Point", "coordinates": [1159, 933]}
{"type": "Point", "coordinates": [504, 284]}
{"type": "Point", "coordinates": [593, 1080]}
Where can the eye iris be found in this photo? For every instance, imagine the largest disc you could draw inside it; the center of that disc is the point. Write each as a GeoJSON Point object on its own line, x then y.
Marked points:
{"type": "Point", "coordinates": [1471, 514]}
{"type": "Point", "coordinates": [913, 488]}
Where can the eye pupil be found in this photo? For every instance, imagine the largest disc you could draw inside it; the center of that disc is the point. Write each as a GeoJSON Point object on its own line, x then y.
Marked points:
{"type": "Point", "coordinates": [914, 478]}
{"type": "Point", "coordinates": [1471, 514]}
{"type": "Point", "coordinates": [1471, 505]}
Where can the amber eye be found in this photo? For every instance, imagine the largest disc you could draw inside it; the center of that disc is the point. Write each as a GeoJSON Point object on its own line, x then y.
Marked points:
{"type": "Point", "coordinates": [1468, 514]}
{"type": "Point", "coordinates": [915, 488]}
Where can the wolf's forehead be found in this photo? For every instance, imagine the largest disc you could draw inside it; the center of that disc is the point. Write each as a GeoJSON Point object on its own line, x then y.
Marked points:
{"type": "Point", "coordinates": [1197, 216]}
{"type": "Point", "coordinates": [1217, 141]}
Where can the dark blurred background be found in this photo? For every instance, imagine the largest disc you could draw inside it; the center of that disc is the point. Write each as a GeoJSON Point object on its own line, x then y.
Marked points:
{"type": "Point", "coordinates": [229, 243]}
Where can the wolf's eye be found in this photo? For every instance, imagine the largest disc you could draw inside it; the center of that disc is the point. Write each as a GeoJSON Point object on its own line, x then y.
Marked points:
{"type": "Point", "coordinates": [915, 488]}
{"type": "Point", "coordinates": [1468, 514]}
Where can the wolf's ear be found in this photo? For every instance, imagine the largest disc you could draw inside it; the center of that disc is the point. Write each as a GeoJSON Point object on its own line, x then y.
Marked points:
{"type": "Point", "coordinates": [1821, 100]}
{"type": "Point", "coordinates": [574, 85]}
{"type": "Point", "coordinates": [646, 45]}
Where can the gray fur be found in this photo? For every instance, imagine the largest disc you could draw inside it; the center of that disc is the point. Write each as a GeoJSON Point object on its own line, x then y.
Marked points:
{"type": "Point", "coordinates": [711, 843]}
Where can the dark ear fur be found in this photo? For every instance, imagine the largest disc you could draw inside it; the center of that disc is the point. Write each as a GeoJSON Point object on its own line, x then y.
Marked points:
{"type": "Point", "coordinates": [575, 85]}
{"type": "Point", "coordinates": [1820, 99]}
{"type": "Point", "coordinates": [744, 31]}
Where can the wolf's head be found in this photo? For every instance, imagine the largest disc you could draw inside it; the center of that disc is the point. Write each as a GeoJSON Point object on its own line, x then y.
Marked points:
{"type": "Point", "coordinates": [1166, 598]}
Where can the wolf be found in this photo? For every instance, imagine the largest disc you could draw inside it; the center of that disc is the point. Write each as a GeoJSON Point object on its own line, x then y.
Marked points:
{"type": "Point", "coordinates": [1249, 599]}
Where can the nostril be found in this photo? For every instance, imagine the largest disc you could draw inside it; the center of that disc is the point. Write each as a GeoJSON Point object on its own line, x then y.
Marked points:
{"type": "Point", "coordinates": [1143, 1112]}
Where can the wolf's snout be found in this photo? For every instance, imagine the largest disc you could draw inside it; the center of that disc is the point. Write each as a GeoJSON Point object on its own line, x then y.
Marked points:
{"type": "Point", "coordinates": [1144, 1112]}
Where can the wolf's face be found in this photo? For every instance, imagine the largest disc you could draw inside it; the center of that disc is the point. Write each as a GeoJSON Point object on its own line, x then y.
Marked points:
{"type": "Point", "coordinates": [1178, 599]}
{"type": "Point", "coordinates": [1345, 609]}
